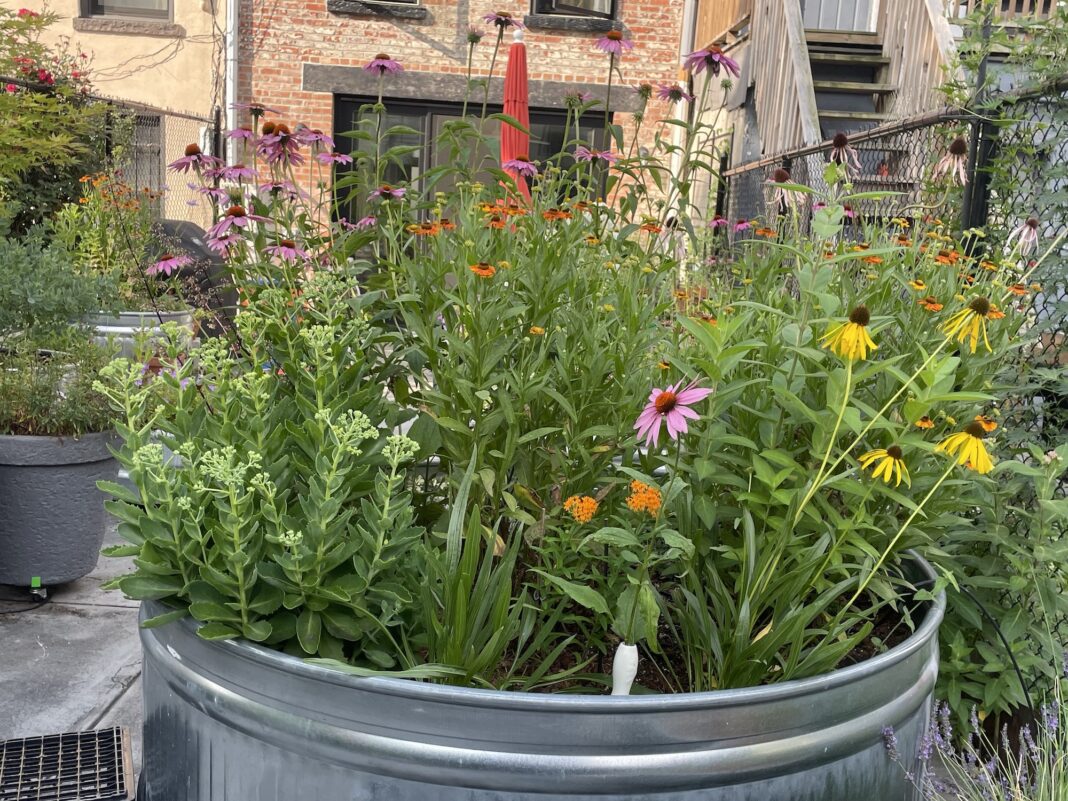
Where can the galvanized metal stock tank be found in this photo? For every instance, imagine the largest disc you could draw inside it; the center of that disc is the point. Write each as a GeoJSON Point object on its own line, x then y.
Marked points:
{"type": "Point", "coordinates": [230, 721]}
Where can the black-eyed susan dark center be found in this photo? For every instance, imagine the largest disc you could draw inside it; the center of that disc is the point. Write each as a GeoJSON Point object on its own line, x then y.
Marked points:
{"type": "Point", "coordinates": [860, 315]}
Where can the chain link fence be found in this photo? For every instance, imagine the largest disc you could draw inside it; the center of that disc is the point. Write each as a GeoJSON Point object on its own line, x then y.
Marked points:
{"type": "Point", "coordinates": [142, 140]}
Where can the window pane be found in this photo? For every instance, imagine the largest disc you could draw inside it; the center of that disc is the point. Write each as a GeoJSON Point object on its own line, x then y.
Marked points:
{"type": "Point", "coordinates": [577, 8]}
{"type": "Point", "coordinates": [132, 8]}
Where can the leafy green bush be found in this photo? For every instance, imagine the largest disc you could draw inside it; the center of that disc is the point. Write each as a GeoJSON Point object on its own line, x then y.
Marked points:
{"type": "Point", "coordinates": [53, 132]}
{"type": "Point", "coordinates": [40, 290]}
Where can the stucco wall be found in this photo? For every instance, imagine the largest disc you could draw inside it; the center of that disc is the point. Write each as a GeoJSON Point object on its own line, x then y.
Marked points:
{"type": "Point", "coordinates": [171, 65]}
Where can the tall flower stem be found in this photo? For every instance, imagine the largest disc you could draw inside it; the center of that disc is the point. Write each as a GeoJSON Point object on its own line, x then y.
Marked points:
{"type": "Point", "coordinates": [607, 145]}
{"type": "Point", "coordinates": [900, 532]}
{"type": "Point", "coordinates": [467, 89]}
{"type": "Point", "coordinates": [834, 435]}
{"type": "Point", "coordinates": [816, 483]}
{"type": "Point", "coordinates": [493, 63]}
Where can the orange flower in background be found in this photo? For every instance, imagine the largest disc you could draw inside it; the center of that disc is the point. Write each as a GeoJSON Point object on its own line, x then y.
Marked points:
{"type": "Point", "coordinates": [1018, 289]}
{"type": "Point", "coordinates": [873, 259]}
{"type": "Point", "coordinates": [930, 303]}
{"type": "Point", "coordinates": [925, 422]}
{"type": "Point", "coordinates": [537, 330]}
{"type": "Point", "coordinates": [423, 229]}
{"type": "Point", "coordinates": [553, 215]}
{"type": "Point", "coordinates": [947, 257]}
{"type": "Point", "coordinates": [487, 208]}
{"type": "Point", "coordinates": [513, 210]}
{"type": "Point", "coordinates": [644, 498]}
{"type": "Point", "coordinates": [592, 241]}
{"type": "Point", "coordinates": [447, 224]}
{"type": "Point", "coordinates": [581, 205]}
{"type": "Point", "coordinates": [581, 507]}
{"type": "Point", "coordinates": [967, 278]}
{"type": "Point", "coordinates": [708, 319]}
{"type": "Point", "coordinates": [988, 423]}
{"type": "Point", "coordinates": [766, 232]}
{"type": "Point", "coordinates": [650, 228]}
{"type": "Point", "coordinates": [483, 269]}
{"type": "Point", "coordinates": [904, 241]}
{"type": "Point", "coordinates": [988, 265]}
{"type": "Point", "coordinates": [495, 221]}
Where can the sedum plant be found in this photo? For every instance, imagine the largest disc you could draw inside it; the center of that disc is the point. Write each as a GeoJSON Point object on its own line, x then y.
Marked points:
{"type": "Point", "coordinates": [491, 441]}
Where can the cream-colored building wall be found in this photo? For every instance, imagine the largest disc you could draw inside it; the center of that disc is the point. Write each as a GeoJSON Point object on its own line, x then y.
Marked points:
{"type": "Point", "coordinates": [176, 64]}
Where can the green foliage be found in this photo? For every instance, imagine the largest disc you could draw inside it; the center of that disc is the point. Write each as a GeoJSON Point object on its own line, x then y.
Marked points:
{"type": "Point", "coordinates": [47, 386]}
{"type": "Point", "coordinates": [53, 132]}
{"type": "Point", "coordinates": [40, 289]}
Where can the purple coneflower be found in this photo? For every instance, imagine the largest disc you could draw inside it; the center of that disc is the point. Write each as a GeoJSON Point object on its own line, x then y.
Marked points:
{"type": "Point", "coordinates": [614, 43]}
{"type": "Point", "coordinates": [280, 146]}
{"type": "Point", "coordinates": [366, 222]}
{"type": "Point", "coordinates": [388, 192]}
{"type": "Point", "coordinates": [315, 138]}
{"type": "Point", "coordinates": [671, 406]}
{"type": "Point", "coordinates": [167, 264]}
{"type": "Point", "coordinates": [843, 153]}
{"type": "Point", "coordinates": [502, 19]}
{"type": "Point", "coordinates": [954, 163]}
{"type": "Point", "coordinates": [237, 172]}
{"type": "Point", "coordinates": [474, 35]}
{"type": "Point", "coordinates": [741, 225]}
{"type": "Point", "coordinates": [848, 212]}
{"type": "Point", "coordinates": [644, 90]}
{"type": "Point", "coordinates": [214, 192]}
{"type": "Point", "coordinates": [583, 153]}
{"type": "Point", "coordinates": [719, 221]}
{"type": "Point", "coordinates": [195, 159]}
{"type": "Point", "coordinates": [333, 158]}
{"type": "Point", "coordinates": [246, 134]}
{"type": "Point", "coordinates": [382, 63]}
{"type": "Point", "coordinates": [673, 93]}
{"type": "Point", "coordinates": [235, 218]}
{"type": "Point", "coordinates": [287, 250]}
{"type": "Point", "coordinates": [784, 198]}
{"type": "Point", "coordinates": [1024, 238]}
{"type": "Point", "coordinates": [223, 244]}
{"type": "Point", "coordinates": [521, 165]}
{"type": "Point", "coordinates": [286, 189]}
{"type": "Point", "coordinates": [713, 58]}
{"type": "Point", "coordinates": [574, 97]}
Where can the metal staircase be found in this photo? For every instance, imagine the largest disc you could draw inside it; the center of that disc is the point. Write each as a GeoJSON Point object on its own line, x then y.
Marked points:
{"type": "Point", "coordinates": [847, 77]}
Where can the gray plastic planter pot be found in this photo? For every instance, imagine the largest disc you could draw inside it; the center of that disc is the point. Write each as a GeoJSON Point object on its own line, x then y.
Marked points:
{"type": "Point", "coordinates": [231, 721]}
{"type": "Point", "coordinates": [125, 327]}
{"type": "Point", "coordinates": [52, 517]}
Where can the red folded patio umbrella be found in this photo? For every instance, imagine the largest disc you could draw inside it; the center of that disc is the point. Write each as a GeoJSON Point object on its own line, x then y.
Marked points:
{"type": "Point", "coordinates": [515, 143]}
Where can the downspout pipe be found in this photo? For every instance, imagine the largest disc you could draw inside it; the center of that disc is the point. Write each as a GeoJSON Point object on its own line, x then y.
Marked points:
{"type": "Point", "coordinates": [232, 7]}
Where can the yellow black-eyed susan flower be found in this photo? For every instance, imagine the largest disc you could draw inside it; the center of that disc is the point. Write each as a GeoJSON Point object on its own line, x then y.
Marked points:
{"type": "Point", "coordinates": [970, 322]}
{"type": "Point", "coordinates": [851, 339]}
{"type": "Point", "coordinates": [889, 463]}
{"type": "Point", "coordinates": [925, 422]}
{"type": "Point", "coordinates": [918, 285]}
{"type": "Point", "coordinates": [968, 449]}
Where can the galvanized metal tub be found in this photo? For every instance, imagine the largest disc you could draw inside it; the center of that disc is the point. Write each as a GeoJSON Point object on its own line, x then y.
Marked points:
{"type": "Point", "coordinates": [125, 328]}
{"type": "Point", "coordinates": [52, 516]}
{"type": "Point", "coordinates": [231, 721]}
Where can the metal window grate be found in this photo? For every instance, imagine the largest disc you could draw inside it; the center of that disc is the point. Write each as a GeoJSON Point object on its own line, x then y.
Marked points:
{"type": "Point", "coordinates": [75, 766]}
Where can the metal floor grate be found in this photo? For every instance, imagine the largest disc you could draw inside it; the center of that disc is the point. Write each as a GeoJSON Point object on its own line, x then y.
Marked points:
{"type": "Point", "coordinates": [75, 766]}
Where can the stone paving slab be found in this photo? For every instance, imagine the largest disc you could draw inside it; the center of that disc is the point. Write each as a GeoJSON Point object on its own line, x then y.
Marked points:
{"type": "Point", "coordinates": [73, 663]}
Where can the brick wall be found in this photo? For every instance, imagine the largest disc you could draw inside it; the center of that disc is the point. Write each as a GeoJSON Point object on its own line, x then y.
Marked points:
{"type": "Point", "coordinates": [279, 37]}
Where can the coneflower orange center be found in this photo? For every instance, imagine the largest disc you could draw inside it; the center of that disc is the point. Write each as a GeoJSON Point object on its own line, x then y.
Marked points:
{"type": "Point", "coordinates": [615, 36]}
{"type": "Point", "coordinates": [665, 401]}
{"type": "Point", "coordinates": [1032, 223]}
{"type": "Point", "coordinates": [382, 57]}
{"type": "Point", "coordinates": [958, 147]}
{"type": "Point", "coordinates": [235, 211]}
{"type": "Point", "coordinates": [287, 243]}
{"type": "Point", "coordinates": [781, 175]}
{"type": "Point", "coordinates": [840, 140]}
{"type": "Point", "coordinates": [193, 150]}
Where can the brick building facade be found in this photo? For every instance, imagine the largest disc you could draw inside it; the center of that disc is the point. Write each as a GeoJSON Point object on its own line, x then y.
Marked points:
{"type": "Point", "coordinates": [305, 58]}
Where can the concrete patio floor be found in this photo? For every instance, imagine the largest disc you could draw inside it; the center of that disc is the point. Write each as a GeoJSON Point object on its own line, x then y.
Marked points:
{"type": "Point", "coordinates": [74, 663]}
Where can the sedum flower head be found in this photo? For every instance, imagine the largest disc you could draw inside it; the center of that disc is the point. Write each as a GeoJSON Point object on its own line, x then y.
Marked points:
{"type": "Point", "coordinates": [399, 448]}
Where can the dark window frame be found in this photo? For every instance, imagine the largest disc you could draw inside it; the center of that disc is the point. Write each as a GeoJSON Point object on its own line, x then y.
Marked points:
{"type": "Point", "coordinates": [562, 8]}
{"type": "Point", "coordinates": [93, 9]}
{"type": "Point", "coordinates": [346, 106]}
